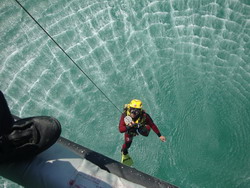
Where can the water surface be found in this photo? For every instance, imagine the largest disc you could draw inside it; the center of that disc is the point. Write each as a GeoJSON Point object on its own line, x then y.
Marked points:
{"type": "Point", "coordinates": [187, 60]}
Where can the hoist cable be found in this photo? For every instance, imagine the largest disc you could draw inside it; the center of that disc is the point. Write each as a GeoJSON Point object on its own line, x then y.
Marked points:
{"type": "Point", "coordinates": [67, 55]}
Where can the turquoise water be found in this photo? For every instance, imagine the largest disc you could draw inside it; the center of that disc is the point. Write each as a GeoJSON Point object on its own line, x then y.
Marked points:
{"type": "Point", "coordinates": [187, 60]}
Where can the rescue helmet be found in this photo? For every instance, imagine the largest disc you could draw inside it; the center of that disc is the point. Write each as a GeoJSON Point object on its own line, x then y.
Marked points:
{"type": "Point", "coordinates": [135, 103]}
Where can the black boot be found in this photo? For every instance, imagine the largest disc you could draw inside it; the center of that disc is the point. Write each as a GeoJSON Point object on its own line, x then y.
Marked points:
{"type": "Point", "coordinates": [27, 137]}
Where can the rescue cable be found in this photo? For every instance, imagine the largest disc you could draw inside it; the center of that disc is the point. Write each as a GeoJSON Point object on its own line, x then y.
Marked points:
{"type": "Point", "coordinates": [68, 56]}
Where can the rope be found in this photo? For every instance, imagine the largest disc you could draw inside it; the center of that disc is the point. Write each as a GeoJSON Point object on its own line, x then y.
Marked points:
{"type": "Point", "coordinates": [68, 55]}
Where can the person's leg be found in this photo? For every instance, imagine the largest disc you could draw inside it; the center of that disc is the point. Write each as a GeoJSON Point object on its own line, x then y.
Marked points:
{"type": "Point", "coordinates": [6, 119]}
{"type": "Point", "coordinates": [144, 130]}
{"type": "Point", "coordinates": [128, 140]}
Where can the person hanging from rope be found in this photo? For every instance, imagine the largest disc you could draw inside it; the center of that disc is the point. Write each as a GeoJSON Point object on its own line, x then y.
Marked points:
{"type": "Point", "coordinates": [134, 121]}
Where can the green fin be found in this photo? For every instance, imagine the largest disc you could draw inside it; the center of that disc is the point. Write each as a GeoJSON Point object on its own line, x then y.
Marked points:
{"type": "Point", "coordinates": [127, 160]}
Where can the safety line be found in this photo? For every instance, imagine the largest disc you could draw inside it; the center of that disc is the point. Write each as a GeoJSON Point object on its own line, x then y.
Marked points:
{"type": "Point", "coordinates": [68, 55]}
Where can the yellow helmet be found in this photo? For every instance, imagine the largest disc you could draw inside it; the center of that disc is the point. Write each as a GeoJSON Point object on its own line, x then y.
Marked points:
{"type": "Point", "coordinates": [135, 103]}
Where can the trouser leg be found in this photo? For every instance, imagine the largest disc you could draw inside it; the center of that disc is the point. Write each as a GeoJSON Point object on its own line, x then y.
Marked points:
{"type": "Point", "coordinates": [6, 119]}
{"type": "Point", "coordinates": [145, 130]}
{"type": "Point", "coordinates": [127, 143]}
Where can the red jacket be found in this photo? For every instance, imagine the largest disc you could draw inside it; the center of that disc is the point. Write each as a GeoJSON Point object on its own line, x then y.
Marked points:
{"type": "Point", "coordinates": [124, 128]}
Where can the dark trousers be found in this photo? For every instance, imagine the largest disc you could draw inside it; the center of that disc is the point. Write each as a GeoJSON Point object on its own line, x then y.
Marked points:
{"type": "Point", "coordinates": [6, 119]}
